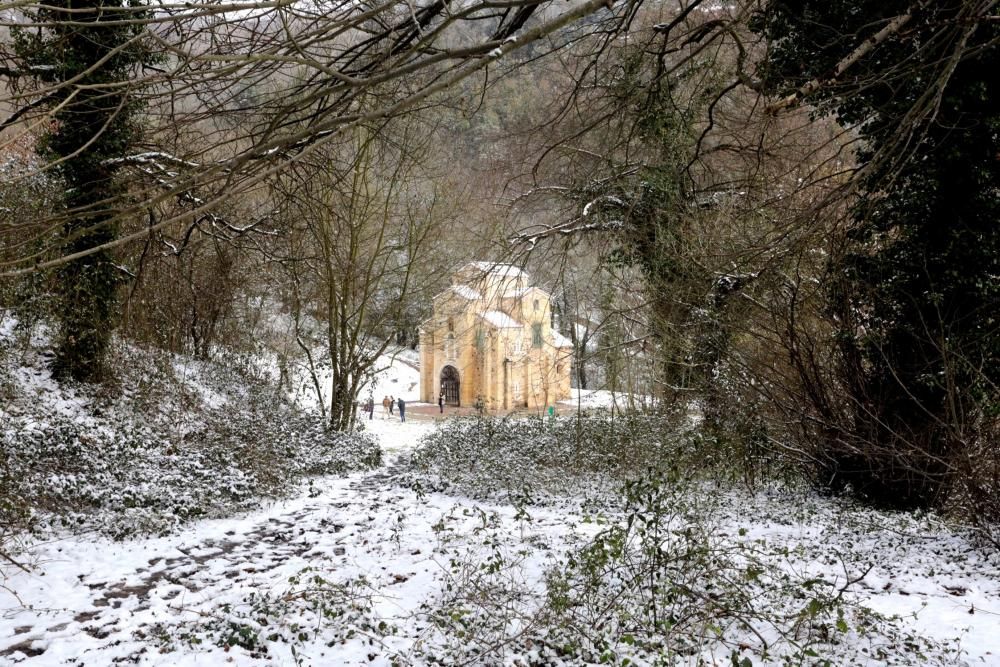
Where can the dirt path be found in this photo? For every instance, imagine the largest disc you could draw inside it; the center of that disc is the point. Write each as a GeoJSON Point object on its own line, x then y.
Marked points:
{"type": "Point", "coordinates": [94, 602]}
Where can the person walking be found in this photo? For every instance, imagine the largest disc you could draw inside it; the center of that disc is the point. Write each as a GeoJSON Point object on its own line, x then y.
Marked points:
{"type": "Point", "coordinates": [371, 408]}
{"type": "Point", "coordinates": [385, 407]}
{"type": "Point", "coordinates": [441, 402]}
{"type": "Point", "coordinates": [392, 403]}
{"type": "Point", "coordinates": [402, 410]}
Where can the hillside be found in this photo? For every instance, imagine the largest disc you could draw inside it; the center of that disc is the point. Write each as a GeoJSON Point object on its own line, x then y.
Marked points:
{"type": "Point", "coordinates": [171, 439]}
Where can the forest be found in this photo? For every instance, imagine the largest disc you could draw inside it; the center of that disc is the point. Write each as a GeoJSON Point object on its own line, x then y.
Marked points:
{"type": "Point", "coordinates": [769, 231]}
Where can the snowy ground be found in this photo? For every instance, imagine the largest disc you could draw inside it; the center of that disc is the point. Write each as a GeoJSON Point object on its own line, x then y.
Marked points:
{"type": "Point", "coordinates": [357, 570]}
{"type": "Point", "coordinates": [586, 399]}
{"type": "Point", "coordinates": [95, 602]}
{"type": "Point", "coordinates": [396, 374]}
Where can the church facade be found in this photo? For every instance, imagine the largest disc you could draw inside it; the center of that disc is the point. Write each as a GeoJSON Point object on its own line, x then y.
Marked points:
{"type": "Point", "coordinates": [490, 339]}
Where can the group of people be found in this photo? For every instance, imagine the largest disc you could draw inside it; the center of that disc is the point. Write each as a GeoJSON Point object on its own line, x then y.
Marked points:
{"type": "Point", "coordinates": [388, 404]}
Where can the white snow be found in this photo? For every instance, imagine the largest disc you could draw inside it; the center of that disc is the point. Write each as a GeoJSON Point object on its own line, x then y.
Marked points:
{"type": "Point", "coordinates": [7, 325]}
{"type": "Point", "coordinates": [396, 374]}
{"type": "Point", "coordinates": [501, 320]}
{"type": "Point", "coordinates": [595, 398]}
{"type": "Point", "coordinates": [101, 602]}
{"type": "Point", "coordinates": [615, 201]}
{"type": "Point", "coordinates": [508, 270]}
{"type": "Point", "coordinates": [561, 341]}
{"type": "Point", "coordinates": [188, 373]}
{"type": "Point", "coordinates": [389, 554]}
{"type": "Point", "coordinates": [97, 601]}
{"type": "Point", "coordinates": [151, 157]}
{"type": "Point", "coordinates": [466, 292]}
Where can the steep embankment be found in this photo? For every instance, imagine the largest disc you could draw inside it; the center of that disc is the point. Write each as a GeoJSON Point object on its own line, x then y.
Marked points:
{"type": "Point", "coordinates": [169, 439]}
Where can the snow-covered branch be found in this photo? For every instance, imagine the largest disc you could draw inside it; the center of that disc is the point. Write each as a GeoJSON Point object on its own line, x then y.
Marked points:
{"type": "Point", "coordinates": [151, 157]}
{"type": "Point", "coordinates": [151, 165]}
{"type": "Point", "coordinates": [573, 227]}
{"type": "Point", "coordinates": [863, 49]}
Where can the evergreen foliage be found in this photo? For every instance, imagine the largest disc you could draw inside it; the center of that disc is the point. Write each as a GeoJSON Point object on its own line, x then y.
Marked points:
{"type": "Point", "coordinates": [169, 440]}
{"type": "Point", "coordinates": [916, 293]}
{"type": "Point", "coordinates": [86, 44]}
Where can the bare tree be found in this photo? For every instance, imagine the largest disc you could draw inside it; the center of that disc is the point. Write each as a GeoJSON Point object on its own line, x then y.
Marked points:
{"type": "Point", "coordinates": [246, 90]}
{"type": "Point", "coordinates": [362, 220]}
{"type": "Point", "coordinates": [183, 107]}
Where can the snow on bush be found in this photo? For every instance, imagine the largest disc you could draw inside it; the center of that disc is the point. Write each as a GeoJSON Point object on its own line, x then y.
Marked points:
{"type": "Point", "coordinates": [521, 459]}
{"type": "Point", "coordinates": [683, 569]}
{"type": "Point", "coordinates": [668, 584]}
{"type": "Point", "coordinates": [172, 441]}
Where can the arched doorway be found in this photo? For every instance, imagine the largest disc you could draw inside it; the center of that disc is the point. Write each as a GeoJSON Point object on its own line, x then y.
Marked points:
{"type": "Point", "coordinates": [450, 384]}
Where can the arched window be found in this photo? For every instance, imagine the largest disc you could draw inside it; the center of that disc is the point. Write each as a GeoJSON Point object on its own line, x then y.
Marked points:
{"type": "Point", "coordinates": [536, 335]}
{"type": "Point", "coordinates": [449, 346]}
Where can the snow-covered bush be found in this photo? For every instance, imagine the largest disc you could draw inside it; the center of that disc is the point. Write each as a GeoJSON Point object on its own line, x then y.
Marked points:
{"type": "Point", "coordinates": [171, 441]}
{"type": "Point", "coordinates": [309, 609]}
{"type": "Point", "coordinates": [130, 479]}
{"type": "Point", "coordinates": [669, 581]}
{"type": "Point", "coordinates": [661, 585]}
{"type": "Point", "coordinates": [521, 458]}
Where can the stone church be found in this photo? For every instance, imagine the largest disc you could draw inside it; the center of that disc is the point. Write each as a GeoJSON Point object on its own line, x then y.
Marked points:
{"type": "Point", "coordinates": [491, 338]}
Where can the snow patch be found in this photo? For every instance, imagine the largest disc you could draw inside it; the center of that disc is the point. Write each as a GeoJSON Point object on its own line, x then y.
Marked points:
{"type": "Point", "coordinates": [501, 320]}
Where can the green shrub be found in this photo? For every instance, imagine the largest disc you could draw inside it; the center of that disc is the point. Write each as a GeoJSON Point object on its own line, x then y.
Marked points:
{"type": "Point", "coordinates": [157, 450]}
{"type": "Point", "coordinates": [524, 458]}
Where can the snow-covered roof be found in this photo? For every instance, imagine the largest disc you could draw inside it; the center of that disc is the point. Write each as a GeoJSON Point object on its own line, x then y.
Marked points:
{"type": "Point", "coordinates": [461, 291]}
{"type": "Point", "coordinates": [501, 320]}
{"type": "Point", "coordinates": [491, 267]}
{"type": "Point", "coordinates": [466, 292]}
{"type": "Point", "coordinates": [560, 341]}
{"type": "Point", "coordinates": [494, 269]}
